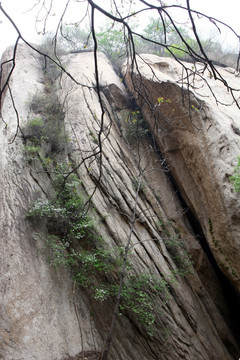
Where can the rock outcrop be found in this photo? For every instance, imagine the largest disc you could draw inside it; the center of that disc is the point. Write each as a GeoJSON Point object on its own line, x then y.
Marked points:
{"type": "Point", "coordinates": [43, 315]}
{"type": "Point", "coordinates": [198, 134]}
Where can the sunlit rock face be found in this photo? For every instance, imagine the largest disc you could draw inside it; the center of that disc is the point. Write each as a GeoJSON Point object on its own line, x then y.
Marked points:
{"type": "Point", "coordinates": [43, 314]}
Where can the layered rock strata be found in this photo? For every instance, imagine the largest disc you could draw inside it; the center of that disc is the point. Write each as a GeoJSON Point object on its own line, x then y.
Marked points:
{"type": "Point", "coordinates": [42, 315]}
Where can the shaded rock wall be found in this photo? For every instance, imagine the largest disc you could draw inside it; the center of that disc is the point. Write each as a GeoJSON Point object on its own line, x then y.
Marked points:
{"type": "Point", "coordinates": [42, 315]}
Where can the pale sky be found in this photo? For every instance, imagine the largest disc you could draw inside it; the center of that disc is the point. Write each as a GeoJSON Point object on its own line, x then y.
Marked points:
{"type": "Point", "coordinates": [225, 11]}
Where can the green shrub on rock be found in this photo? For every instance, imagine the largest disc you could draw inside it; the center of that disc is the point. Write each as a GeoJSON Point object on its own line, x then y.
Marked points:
{"type": "Point", "coordinates": [135, 127]}
{"type": "Point", "coordinates": [235, 178]}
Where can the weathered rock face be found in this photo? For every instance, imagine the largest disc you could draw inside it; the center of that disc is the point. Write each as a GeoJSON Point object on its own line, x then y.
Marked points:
{"type": "Point", "coordinates": [201, 143]}
{"type": "Point", "coordinates": [43, 315]}
{"type": "Point", "coordinates": [38, 320]}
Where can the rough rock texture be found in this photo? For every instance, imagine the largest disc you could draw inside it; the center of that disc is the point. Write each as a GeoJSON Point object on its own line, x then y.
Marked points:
{"type": "Point", "coordinates": [42, 315]}
{"type": "Point", "coordinates": [38, 319]}
{"type": "Point", "coordinates": [201, 143]}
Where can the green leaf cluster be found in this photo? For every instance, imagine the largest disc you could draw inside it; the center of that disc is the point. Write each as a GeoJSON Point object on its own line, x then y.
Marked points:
{"type": "Point", "coordinates": [31, 152]}
{"type": "Point", "coordinates": [72, 242]}
{"type": "Point", "coordinates": [65, 214]}
{"type": "Point", "coordinates": [235, 178]}
{"type": "Point", "coordinates": [135, 127]}
{"type": "Point", "coordinates": [48, 128]}
{"type": "Point", "coordinates": [179, 254]}
{"type": "Point", "coordinates": [137, 298]}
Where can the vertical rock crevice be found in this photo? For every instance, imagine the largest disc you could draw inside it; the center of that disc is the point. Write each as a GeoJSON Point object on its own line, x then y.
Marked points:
{"type": "Point", "coordinates": [39, 299]}
{"type": "Point", "coordinates": [219, 287]}
{"type": "Point", "coordinates": [230, 308]}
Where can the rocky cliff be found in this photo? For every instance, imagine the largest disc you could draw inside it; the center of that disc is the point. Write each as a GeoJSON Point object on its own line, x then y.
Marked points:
{"type": "Point", "coordinates": [154, 171]}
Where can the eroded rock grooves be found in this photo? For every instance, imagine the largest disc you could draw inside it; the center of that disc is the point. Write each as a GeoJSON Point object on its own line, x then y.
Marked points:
{"type": "Point", "coordinates": [230, 302]}
{"type": "Point", "coordinates": [42, 315]}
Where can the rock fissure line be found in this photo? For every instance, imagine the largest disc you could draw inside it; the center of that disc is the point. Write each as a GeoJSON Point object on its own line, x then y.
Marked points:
{"type": "Point", "coordinates": [232, 298]}
{"type": "Point", "coordinates": [38, 303]}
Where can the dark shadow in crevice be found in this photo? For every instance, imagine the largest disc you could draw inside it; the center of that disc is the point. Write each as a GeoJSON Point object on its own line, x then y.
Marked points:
{"type": "Point", "coordinates": [231, 297]}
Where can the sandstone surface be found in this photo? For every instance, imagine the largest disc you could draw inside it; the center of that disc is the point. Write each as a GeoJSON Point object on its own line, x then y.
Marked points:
{"type": "Point", "coordinates": [42, 315]}
{"type": "Point", "coordinates": [199, 136]}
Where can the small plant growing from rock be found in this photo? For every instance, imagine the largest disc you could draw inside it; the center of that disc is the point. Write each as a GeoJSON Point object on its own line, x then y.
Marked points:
{"type": "Point", "coordinates": [31, 153]}
{"type": "Point", "coordinates": [136, 127]}
{"type": "Point", "coordinates": [65, 214]}
{"type": "Point", "coordinates": [235, 178]}
{"type": "Point", "coordinates": [47, 130]}
{"type": "Point", "coordinates": [33, 130]}
{"type": "Point", "coordinates": [175, 246]}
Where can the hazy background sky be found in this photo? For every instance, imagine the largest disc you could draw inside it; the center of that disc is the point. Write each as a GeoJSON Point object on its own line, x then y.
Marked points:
{"type": "Point", "coordinates": [24, 18]}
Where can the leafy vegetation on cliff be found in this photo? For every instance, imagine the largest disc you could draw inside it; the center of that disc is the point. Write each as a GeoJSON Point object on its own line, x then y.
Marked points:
{"type": "Point", "coordinates": [235, 178]}
{"type": "Point", "coordinates": [71, 235]}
